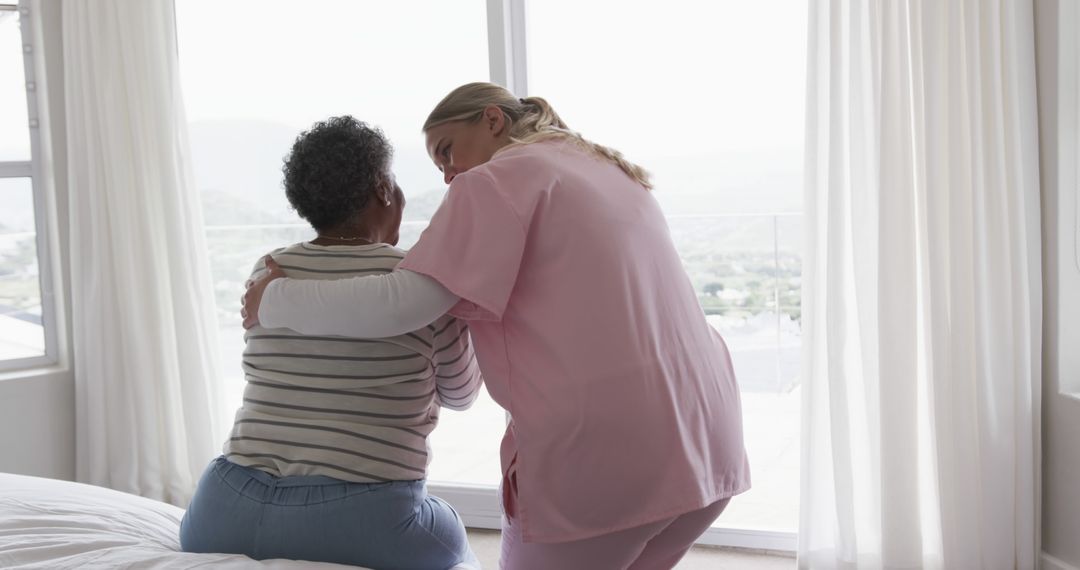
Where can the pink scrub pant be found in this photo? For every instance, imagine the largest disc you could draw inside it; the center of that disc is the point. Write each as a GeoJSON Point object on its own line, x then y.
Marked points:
{"type": "Point", "coordinates": [654, 546]}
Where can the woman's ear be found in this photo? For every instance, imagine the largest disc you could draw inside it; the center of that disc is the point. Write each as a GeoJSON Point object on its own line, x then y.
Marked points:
{"type": "Point", "coordinates": [385, 190]}
{"type": "Point", "coordinates": [495, 120]}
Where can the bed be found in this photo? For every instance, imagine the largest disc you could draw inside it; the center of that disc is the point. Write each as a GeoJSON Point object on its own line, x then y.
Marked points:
{"type": "Point", "coordinates": [55, 525]}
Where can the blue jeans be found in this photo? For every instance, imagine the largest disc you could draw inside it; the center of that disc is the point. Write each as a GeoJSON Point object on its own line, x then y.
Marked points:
{"type": "Point", "coordinates": [394, 525]}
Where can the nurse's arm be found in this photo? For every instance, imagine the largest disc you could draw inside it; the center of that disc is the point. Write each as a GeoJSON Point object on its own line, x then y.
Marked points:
{"type": "Point", "coordinates": [361, 307]}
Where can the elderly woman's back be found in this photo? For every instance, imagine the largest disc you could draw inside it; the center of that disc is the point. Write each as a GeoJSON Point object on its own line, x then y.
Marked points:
{"type": "Point", "coordinates": [328, 454]}
{"type": "Point", "coordinates": [354, 409]}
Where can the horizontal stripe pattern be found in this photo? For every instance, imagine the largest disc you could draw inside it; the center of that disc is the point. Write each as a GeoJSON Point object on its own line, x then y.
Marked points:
{"type": "Point", "coordinates": [354, 409]}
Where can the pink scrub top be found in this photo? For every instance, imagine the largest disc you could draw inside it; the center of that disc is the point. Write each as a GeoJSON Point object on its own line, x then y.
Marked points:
{"type": "Point", "coordinates": [624, 404]}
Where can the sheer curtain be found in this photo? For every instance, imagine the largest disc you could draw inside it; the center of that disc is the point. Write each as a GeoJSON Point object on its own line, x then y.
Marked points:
{"type": "Point", "coordinates": [148, 416]}
{"type": "Point", "coordinates": [922, 287]}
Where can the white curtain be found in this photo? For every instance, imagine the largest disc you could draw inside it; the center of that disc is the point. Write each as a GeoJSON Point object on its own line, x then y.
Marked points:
{"type": "Point", "coordinates": [922, 287]}
{"type": "Point", "coordinates": [148, 414]}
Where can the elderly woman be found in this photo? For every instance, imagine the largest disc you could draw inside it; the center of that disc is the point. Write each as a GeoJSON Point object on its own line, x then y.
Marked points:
{"type": "Point", "coordinates": [328, 454]}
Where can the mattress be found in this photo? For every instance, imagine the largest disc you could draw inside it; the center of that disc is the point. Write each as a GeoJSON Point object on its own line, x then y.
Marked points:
{"type": "Point", "coordinates": [56, 525]}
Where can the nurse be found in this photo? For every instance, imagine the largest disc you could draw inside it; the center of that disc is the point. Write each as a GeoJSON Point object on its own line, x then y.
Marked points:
{"type": "Point", "coordinates": [626, 438]}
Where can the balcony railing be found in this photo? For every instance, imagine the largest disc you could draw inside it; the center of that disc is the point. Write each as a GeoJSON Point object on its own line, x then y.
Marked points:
{"type": "Point", "coordinates": [745, 269]}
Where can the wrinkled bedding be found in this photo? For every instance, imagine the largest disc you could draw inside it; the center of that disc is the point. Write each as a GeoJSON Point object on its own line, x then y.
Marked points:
{"type": "Point", "coordinates": [56, 525]}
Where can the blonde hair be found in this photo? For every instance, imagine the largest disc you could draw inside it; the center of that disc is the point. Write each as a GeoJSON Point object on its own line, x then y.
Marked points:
{"type": "Point", "coordinates": [531, 120]}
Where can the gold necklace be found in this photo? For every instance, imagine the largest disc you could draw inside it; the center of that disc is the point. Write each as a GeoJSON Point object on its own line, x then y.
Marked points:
{"type": "Point", "coordinates": [344, 238]}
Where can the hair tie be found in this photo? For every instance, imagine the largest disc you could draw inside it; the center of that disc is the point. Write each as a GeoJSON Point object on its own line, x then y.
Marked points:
{"type": "Point", "coordinates": [522, 101]}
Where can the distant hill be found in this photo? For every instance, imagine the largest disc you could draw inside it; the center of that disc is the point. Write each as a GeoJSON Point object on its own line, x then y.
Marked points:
{"type": "Point", "coordinates": [748, 182]}
{"type": "Point", "coordinates": [238, 170]}
{"type": "Point", "coordinates": [422, 207]}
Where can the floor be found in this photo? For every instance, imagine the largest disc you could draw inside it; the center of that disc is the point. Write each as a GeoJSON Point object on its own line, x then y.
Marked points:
{"type": "Point", "coordinates": [486, 545]}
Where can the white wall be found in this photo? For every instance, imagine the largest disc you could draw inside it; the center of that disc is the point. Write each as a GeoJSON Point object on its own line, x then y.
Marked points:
{"type": "Point", "coordinates": [37, 408]}
{"type": "Point", "coordinates": [1056, 24]}
{"type": "Point", "coordinates": [37, 424]}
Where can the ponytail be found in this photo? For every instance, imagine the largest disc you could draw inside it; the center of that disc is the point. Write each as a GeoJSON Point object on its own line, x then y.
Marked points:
{"type": "Point", "coordinates": [532, 119]}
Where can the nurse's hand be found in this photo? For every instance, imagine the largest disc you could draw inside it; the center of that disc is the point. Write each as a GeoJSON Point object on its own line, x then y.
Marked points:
{"type": "Point", "coordinates": [255, 287]}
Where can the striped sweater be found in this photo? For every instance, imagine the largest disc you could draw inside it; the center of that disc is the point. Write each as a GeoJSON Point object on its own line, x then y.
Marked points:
{"type": "Point", "coordinates": [353, 409]}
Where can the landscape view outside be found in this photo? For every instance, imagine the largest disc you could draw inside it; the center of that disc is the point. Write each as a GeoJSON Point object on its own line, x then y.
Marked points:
{"type": "Point", "coordinates": [21, 331]}
{"type": "Point", "coordinates": [723, 142]}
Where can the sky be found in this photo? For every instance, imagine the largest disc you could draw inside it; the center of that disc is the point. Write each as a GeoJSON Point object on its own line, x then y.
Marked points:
{"type": "Point", "coordinates": [678, 76]}
{"type": "Point", "coordinates": [387, 63]}
{"type": "Point", "coordinates": [717, 85]}
{"type": "Point", "coordinates": [14, 133]}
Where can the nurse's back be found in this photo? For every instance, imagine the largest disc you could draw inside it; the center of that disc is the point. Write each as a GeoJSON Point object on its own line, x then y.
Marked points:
{"type": "Point", "coordinates": [624, 403]}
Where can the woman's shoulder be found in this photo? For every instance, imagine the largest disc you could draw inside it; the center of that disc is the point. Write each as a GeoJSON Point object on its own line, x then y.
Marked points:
{"type": "Point", "coordinates": [542, 150]}
{"type": "Point", "coordinates": [260, 263]}
{"type": "Point", "coordinates": [533, 164]}
{"type": "Point", "coordinates": [370, 250]}
{"type": "Point", "coordinates": [306, 258]}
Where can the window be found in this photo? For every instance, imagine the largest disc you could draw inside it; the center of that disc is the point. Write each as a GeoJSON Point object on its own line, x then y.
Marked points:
{"type": "Point", "coordinates": [27, 337]}
{"type": "Point", "coordinates": [708, 96]}
{"type": "Point", "coordinates": [725, 146]}
{"type": "Point", "coordinates": [255, 74]}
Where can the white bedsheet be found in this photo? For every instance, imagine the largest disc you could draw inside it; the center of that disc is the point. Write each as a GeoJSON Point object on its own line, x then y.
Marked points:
{"type": "Point", "coordinates": [58, 525]}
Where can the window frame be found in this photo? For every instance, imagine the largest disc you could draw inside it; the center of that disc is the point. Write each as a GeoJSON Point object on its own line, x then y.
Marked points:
{"type": "Point", "coordinates": [34, 170]}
